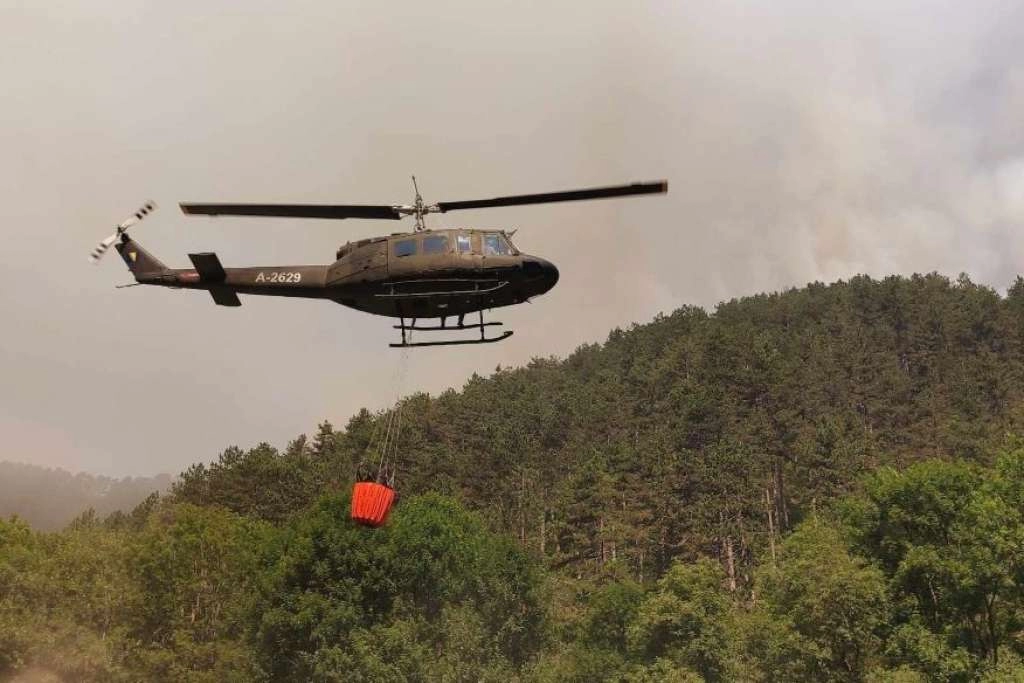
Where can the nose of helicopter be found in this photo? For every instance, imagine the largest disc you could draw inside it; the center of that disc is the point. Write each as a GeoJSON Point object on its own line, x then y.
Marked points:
{"type": "Point", "coordinates": [550, 273]}
{"type": "Point", "coordinates": [542, 272]}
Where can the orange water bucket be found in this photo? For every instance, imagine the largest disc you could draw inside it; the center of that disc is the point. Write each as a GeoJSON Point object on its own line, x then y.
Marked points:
{"type": "Point", "coordinates": [371, 503]}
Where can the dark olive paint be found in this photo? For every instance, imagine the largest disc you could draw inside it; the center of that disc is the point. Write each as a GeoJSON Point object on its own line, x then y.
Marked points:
{"type": "Point", "coordinates": [369, 277]}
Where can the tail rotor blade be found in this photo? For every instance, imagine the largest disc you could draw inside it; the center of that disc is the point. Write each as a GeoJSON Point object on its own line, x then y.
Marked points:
{"type": "Point", "coordinates": [146, 209]}
{"type": "Point", "coordinates": [102, 247]}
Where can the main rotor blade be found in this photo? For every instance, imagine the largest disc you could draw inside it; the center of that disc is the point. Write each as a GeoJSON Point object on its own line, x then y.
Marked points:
{"type": "Point", "coordinates": [294, 210]}
{"type": "Point", "coordinates": [568, 196]}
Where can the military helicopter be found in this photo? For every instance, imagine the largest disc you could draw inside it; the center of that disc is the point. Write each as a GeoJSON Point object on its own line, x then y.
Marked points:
{"type": "Point", "coordinates": [440, 273]}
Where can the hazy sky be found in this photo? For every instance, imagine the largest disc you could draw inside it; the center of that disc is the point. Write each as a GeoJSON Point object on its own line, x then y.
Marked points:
{"type": "Point", "coordinates": [802, 141]}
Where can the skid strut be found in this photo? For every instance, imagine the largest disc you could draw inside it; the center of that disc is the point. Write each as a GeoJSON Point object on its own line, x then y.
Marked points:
{"type": "Point", "coordinates": [484, 339]}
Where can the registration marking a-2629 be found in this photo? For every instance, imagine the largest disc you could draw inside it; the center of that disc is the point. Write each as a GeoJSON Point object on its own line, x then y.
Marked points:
{"type": "Point", "coordinates": [279, 277]}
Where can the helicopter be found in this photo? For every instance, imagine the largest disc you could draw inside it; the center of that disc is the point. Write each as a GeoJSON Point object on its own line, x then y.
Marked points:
{"type": "Point", "coordinates": [445, 273]}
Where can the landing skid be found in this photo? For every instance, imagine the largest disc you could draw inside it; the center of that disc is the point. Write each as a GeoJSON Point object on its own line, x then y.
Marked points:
{"type": "Point", "coordinates": [484, 339]}
{"type": "Point", "coordinates": [455, 342]}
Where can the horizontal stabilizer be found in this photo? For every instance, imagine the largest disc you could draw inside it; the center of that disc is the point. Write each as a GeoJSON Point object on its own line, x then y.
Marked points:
{"type": "Point", "coordinates": [223, 296]}
{"type": "Point", "coordinates": [209, 268]}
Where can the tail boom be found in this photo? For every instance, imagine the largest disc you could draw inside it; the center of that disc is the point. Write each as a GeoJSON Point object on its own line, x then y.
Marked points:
{"type": "Point", "coordinates": [224, 284]}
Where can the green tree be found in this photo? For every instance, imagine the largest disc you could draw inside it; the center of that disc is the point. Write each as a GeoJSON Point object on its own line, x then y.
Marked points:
{"type": "Point", "coordinates": [835, 603]}
{"type": "Point", "coordinates": [433, 580]}
{"type": "Point", "coordinates": [951, 539]}
{"type": "Point", "coordinates": [195, 569]}
{"type": "Point", "coordinates": [687, 621]}
{"type": "Point", "coordinates": [62, 601]}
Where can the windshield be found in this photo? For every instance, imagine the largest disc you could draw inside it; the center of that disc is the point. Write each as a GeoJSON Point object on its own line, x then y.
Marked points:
{"type": "Point", "coordinates": [495, 244]}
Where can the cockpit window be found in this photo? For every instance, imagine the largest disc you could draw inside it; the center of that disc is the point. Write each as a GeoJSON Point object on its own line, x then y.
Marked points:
{"type": "Point", "coordinates": [435, 244]}
{"type": "Point", "coordinates": [464, 244]}
{"type": "Point", "coordinates": [405, 248]}
{"type": "Point", "coordinates": [496, 245]}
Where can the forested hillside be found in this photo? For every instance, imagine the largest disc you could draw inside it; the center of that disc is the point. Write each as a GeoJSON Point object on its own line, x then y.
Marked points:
{"type": "Point", "coordinates": [696, 434]}
{"type": "Point", "coordinates": [49, 499]}
{"type": "Point", "coordinates": [818, 485]}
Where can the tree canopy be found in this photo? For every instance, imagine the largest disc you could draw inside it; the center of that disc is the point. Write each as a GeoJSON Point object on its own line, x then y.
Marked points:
{"type": "Point", "coordinates": [821, 484]}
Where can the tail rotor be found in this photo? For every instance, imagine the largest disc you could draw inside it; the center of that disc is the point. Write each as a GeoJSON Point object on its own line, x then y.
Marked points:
{"type": "Point", "coordinates": [123, 226]}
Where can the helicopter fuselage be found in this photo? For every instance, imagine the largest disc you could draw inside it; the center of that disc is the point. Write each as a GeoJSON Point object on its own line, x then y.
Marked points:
{"type": "Point", "coordinates": [424, 274]}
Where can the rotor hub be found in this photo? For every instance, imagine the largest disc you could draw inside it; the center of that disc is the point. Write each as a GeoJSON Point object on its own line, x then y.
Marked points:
{"type": "Point", "coordinates": [419, 209]}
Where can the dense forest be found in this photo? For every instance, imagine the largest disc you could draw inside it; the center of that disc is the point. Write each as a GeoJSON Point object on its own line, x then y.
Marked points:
{"type": "Point", "coordinates": [818, 485]}
{"type": "Point", "coordinates": [49, 499]}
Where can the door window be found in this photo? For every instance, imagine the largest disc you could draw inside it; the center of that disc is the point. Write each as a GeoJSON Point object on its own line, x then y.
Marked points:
{"type": "Point", "coordinates": [435, 244]}
{"type": "Point", "coordinates": [405, 248]}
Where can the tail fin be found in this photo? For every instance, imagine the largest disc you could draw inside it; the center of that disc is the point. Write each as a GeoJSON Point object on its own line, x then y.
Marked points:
{"type": "Point", "coordinates": [138, 260]}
